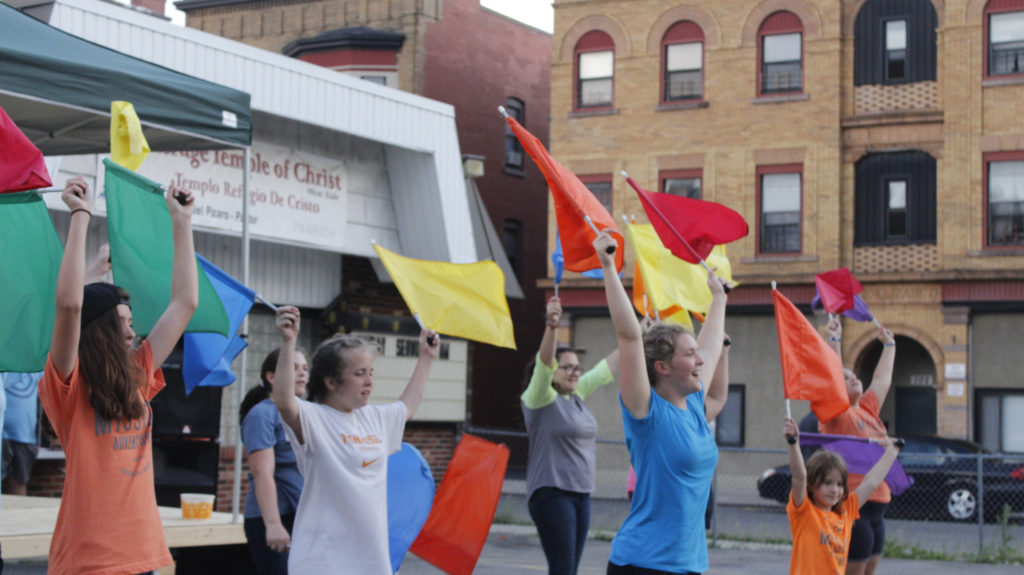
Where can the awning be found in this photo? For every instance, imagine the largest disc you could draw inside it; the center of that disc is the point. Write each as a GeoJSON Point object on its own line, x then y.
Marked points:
{"type": "Point", "coordinates": [58, 87]}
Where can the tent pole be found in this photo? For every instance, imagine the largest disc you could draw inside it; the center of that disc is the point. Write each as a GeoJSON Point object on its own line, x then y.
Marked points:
{"type": "Point", "coordinates": [236, 491]}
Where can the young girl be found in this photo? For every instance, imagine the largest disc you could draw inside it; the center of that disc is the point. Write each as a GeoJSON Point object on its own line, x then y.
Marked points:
{"type": "Point", "coordinates": [275, 482]}
{"type": "Point", "coordinates": [96, 391]}
{"type": "Point", "coordinates": [821, 508]}
{"type": "Point", "coordinates": [342, 446]}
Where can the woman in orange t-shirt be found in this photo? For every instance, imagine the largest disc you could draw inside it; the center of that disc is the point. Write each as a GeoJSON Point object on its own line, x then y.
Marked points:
{"type": "Point", "coordinates": [96, 391]}
{"type": "Point", "coordinates": [821, 508]}
{"type": "Point", "coordinates": [862, 420]}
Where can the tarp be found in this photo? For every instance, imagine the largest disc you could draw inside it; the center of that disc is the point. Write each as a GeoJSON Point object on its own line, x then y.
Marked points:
{"type": "Point", "coordinates": [57, 88]}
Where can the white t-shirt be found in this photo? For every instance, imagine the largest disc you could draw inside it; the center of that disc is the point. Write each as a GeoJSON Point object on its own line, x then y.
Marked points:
{"type": "Point", "coordinates": [342, 522]}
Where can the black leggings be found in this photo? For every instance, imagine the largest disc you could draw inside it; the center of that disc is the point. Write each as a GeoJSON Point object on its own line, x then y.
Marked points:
{"type": "Point", "coordinates": [614, 569]}
{"type": "Point", "coordinates": [868, 537]}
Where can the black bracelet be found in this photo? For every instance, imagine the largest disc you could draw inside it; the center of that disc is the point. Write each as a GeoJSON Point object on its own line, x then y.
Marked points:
{"type": "Point", "coordinates": [76, 210]}
{"type": "Point", "coordinates": [727, 342]}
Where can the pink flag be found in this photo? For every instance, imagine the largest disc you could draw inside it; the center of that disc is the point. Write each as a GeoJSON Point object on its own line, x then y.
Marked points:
{"type": "Point", "coordinates": [21, 164]}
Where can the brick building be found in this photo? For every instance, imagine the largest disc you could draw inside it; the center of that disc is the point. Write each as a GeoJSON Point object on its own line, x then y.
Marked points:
{"type": "Point", "coordinates": [459, 53]}
{"type": "Point", "coordinates": [879, 135]}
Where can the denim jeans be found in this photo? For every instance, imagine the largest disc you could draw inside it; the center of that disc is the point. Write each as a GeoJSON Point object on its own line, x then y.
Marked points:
{"type": "Point", "coordinates": [267, 561]}
{"type": "Point", "coordinates": [562, 519]}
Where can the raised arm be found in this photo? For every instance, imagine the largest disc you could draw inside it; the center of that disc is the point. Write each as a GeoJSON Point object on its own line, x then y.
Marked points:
{"type": "Point", "coordinates": [712, 335]}
{"type": "Point", "coordinates": [184, 279]}
{"type": "Point", "coordinates": [633, 383]}
{"type": "Point", "coordinates": [881, 381]}
{"type": "Point", "coordinates": [549, 343]}
{"type": "Point", "coordinates": [67, 326]}
{"type": "Point", "coordinates": [796, 463]}
{"type": "Point", "coordinates": [283, 391]}
{"type": "Point", "coordinates": [834, 335]}
{"type": "Point", "coordinates": [413, 394]}
{"type": "Point", "coordinates": [718, 391]}
{"type": "Point", "coordinates": [878, 471]}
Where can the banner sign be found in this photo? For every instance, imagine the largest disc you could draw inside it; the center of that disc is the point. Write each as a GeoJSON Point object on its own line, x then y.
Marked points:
{"type": "Point", "coordinates": [293, 196]}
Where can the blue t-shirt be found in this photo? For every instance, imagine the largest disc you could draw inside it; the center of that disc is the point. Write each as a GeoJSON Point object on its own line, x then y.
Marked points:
{"type": "Point", "coordinates": [22, 394]}
{"type": "Point", "coordinates": [674, 453]}
{"type": "Point", "coordinates": [262, 428]}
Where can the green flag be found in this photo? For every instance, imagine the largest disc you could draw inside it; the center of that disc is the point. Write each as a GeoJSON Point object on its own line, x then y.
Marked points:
{"type": "Point", "coordinates": [142, 253]}
{"type": "Point", "coordinates": [29, 261]}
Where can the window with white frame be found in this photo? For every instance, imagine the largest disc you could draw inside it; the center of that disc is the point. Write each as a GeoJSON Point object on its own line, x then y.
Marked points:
{"type": "Point", "coordinates": [1005, 203]}
{"type": "Point", "coordinates": [1006, 43]}
{"type": "Point", "coordinates": [782, 66]}
{"type": "Point", "coordinates": [780, 212]}
{"type": "Point", "coordinates": [596, 72]}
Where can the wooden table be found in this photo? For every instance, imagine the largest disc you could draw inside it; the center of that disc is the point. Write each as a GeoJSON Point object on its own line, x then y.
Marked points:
{"type": "Point", "coordinates": [27, 523]}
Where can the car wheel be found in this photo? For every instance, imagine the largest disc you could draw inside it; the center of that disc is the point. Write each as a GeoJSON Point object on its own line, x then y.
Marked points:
{"type": "Point", "coordinates": [961, 503]}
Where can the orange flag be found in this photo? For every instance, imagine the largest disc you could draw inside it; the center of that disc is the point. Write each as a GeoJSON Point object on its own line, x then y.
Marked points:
{"type": "Point", "coordinates": [457, 527]}
{"type": "Point", "coordinates": [572, 201]}
{"type": "Point", "coordinates": [811, 370]}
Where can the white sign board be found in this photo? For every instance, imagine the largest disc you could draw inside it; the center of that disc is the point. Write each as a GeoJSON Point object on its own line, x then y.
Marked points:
{"type": "Point", "coordinates": [956, 371]}
{"type": "Point", "coordinates": [293, 197]}
{"type": "Point", "coordinates": [954, 390]}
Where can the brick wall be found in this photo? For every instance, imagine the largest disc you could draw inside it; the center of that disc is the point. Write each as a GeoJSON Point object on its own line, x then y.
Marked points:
{"type": "Point", "coordinates": [880, 99]}
{"type": "Point", "coordinates": [881, 259]}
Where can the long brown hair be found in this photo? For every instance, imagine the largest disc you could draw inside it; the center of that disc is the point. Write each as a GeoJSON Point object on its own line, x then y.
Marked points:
{"type": "Point", "coordinates": [818, 467]}
{"type": "Point", "coordinates": [109, 372]}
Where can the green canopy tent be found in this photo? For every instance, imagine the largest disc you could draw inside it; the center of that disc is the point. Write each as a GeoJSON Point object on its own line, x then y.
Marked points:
{"type": "Point", "coordinates": [58, 87]}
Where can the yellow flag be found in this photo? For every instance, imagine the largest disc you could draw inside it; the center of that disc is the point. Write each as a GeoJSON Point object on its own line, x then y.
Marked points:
{"type": "Point", "coordinates": [669, 280]}
{"type": "Point", "coordinates": [461, 300]}
{"type": "Point", "coordinates": [128, 145]}
{"type": "Point", "coordinates": [672, 314]}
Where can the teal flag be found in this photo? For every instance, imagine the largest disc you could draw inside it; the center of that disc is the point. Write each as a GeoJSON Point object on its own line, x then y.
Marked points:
{"type": "Point", "coordinates": [29, 261]}
{"type": "Point", "coordinates": [142, 253]}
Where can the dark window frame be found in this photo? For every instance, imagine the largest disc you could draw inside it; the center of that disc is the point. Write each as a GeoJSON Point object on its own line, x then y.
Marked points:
{"type": "Point", "coordinates": [730, 401]}
{"type": "Point", "coordinates": [887, 53]}
{"type": "Point", "coordinates": [886, 180]}
{"type": "Point", "coordinates": [996, 7]}
{"type": "Point", "coordinates": [987, 160]}
{"type": "Point", "coordinates": [872, 173]}
{"type": "Point", "coordinates": [517, 109]}
{"type": "Point", "coordinates": [779, 23]}
{"type": "Point", "coordinates": [682, 32]}
{"type": "Point", "coordinates": [601, 179]}
{"type": "Point", "coordinates": [685, 174]}
{"type": "Point", "coordinates": [592, 42]}
{"type": "Point", "coordinates": [979, 395]}
{"type": "Point", "coordinates": [759, 197]}
{"type": "Point", "coordinates": [514, 255]}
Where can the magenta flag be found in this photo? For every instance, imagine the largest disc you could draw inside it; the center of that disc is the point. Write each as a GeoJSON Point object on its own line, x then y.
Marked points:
{"type": "Point", "coordinates": [21, 163]}
{"type": "Point", "coordinates": [837, 289]}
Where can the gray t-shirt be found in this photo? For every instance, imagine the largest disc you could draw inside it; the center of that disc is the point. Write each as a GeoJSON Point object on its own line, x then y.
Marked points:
{"type": "Point", "coordinates": [562, 431]}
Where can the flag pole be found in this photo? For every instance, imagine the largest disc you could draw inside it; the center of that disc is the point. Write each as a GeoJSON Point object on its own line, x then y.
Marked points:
{"type": "Point", "coordinates": [264, 301]}
{"type": "Point", "coordinates": [611, 249]}
{"type": "Point", "coordinates": [789, 412]}
{"type": "Point", "coordinates": [430, 340]}
{"type": "Point", "coordinates": [678, 236]}
{"type": "Point", "coordinates": [501, 110]}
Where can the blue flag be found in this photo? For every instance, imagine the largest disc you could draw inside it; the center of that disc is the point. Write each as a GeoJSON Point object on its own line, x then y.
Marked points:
{"type": "Point", "coordinates": [208, 356]}
{"type": "Point", "coordinates": [410, 497]}
{"type": "Point", "coordinates": [559, 261]}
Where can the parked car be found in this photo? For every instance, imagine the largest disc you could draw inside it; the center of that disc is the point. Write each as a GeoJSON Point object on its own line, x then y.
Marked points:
{"type": "Point", "coordinates": [945, 481]}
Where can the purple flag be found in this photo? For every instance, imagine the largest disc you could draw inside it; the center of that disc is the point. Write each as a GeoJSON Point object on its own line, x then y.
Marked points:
{"type": "Point", "coordinates": [859, 311]}
{"type": "Point", "coordinates": [860, 456]}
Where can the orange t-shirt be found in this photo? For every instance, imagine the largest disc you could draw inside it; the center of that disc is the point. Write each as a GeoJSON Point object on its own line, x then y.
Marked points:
{"type": "Point", "coordinates": [108, 521]}
{"type": "Point", "coordinates": [861, 421]}
{"type": "Point", "coordinates": [821, 539]}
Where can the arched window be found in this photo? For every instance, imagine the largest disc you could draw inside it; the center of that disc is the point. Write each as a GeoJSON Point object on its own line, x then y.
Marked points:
{"type": "Point", "coordinates": [595, 71]}
{"type": "Point", "coordinates": [682, 60]}
{"type": "Point", "coordinates": [780, 54]}
{"type": "Point", "coordinates": [895, 42]}
{"type": "Point", "coordinates": [1004, 38]}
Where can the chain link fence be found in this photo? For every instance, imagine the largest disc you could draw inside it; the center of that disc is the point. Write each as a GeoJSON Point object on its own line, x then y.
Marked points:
{"type": "Point", "coordinates": [946, 511]}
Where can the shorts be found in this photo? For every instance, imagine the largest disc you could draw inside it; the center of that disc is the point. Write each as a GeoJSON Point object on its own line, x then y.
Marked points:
{"type": "Point", "coordinates": [18, 459]}
{"type": "Point", "coordinates": [868, 536]}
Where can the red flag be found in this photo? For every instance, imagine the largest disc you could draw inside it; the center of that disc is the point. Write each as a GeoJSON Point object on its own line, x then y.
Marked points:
{"type": "Point", "coordinates": [810, 369]}
{"type": "Point", "coordinates": [21, 164]}
{"type": "Point", "coordinates": [572, 201]}
{"type": "Point", "coordinates": [690, 228]}
{"type": "Point", "coordinates": [457, 527]}
{"type": "Point", "coordinates": [836, 290]}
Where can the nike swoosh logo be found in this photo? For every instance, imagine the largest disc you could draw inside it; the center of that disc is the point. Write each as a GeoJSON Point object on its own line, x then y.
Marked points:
{"type": "Point", "coordinates": [369, 463]}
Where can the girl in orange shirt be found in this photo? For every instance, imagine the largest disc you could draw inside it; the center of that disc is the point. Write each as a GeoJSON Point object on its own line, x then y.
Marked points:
{"type": "Point", "coordinates": [821, 508]}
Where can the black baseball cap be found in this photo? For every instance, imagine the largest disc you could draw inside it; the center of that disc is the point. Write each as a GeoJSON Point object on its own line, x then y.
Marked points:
{"type": "Point", "coordinates": [100, 297]}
